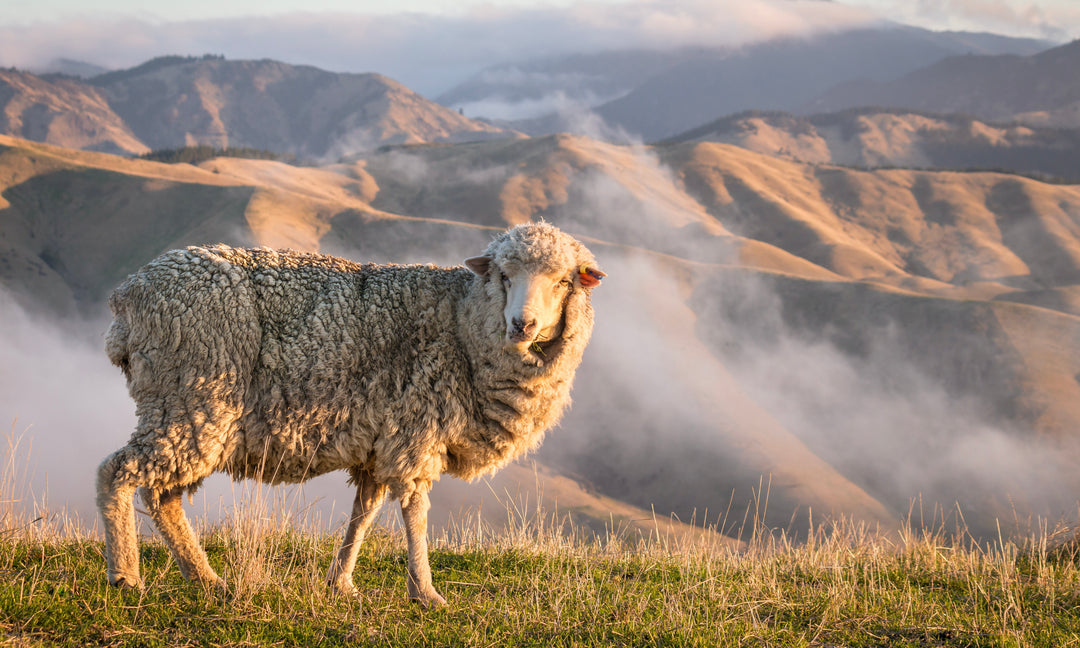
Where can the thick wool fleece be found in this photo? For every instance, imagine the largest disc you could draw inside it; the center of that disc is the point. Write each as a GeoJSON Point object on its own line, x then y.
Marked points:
{"type": "Point", "coordinates": [285, 365]}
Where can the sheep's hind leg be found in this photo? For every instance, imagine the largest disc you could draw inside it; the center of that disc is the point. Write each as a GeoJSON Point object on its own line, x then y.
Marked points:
{"type": "Point", "coordinates": [115, 490]}
{"type": "Point", "coordinates": [167, 511]}
{"type": "Point", "coordinates": [414, 513]}
{"type": "Point", "coordinates": [369, 499]}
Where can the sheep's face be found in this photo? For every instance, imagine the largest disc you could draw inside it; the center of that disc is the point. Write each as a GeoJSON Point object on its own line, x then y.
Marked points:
{"type": "Point", "coordinates": [534, 305]}
{"type": "Point", "coordinates": [533, 310]}
{"type": "Point", "coordinates": [536, 270]}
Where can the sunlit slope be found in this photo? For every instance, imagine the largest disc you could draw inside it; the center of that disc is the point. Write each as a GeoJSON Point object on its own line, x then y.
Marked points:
{"type": "Point", "coordinates": [265, 104]}
{"type": "Point", "coordinates": [614, 193]}
{"type": "Point", "coordinates": [64, 112]}
{"type": "Point", "coordinates": [73, 224]}
{"type": "Point", "coordinates": [171, 102]}
{"type": "Point", "coordinates": [963, 234]}
{"type": "Point", "coordinates": [879, 137]}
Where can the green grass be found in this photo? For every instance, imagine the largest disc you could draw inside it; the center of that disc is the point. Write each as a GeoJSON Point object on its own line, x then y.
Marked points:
{"type": "Point", "coordinates": [539, 583]}
{"type": "Point", "coordinates": [539, 586]}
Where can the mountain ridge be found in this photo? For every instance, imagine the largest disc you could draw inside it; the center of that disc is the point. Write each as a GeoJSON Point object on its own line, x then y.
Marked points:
{"type": "Point", "coordinates": [871, 137]}
{"type": "Point", "coordinates": [1038, 89]}
{"type": "Point", "coordinates": [670, 92]}
{"type": "Point", "coordinates": [171, 102]}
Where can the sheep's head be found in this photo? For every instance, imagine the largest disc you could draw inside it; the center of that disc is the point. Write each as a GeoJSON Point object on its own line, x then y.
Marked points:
{"type": "Point", "coordinates": [537, 268]}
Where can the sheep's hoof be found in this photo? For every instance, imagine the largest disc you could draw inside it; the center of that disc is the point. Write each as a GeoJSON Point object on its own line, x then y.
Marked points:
{"type": "Point", "coordinates": [209, 582]}
{"type": "Point", "coordinates": [125, 581]}
{"type": "Point", "coordinates": [343, 589]}
{"type": "Point", "coordinates": [428, 599]}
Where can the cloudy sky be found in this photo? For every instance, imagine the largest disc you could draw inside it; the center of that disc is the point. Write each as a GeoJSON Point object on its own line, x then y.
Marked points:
{"type": "Point", "coordinates": [430, 47]}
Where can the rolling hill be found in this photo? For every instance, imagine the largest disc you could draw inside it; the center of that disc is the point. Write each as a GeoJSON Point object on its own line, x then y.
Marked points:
{"type": "Point", "coordinates": [879, 137]}
{"type": "Point", "coordinates": [829, 340]}
{"type": "Point", "coordinates": [171, 102]}
{"type": "Point", "coordinates": [64, 112]}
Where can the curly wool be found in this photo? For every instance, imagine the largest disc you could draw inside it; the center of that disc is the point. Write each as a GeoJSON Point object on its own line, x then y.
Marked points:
{"type": "Point", "coordinates": [286, 365]}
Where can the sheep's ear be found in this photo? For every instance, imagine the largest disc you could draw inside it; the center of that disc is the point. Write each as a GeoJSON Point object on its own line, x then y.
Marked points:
{"type": "Point", "coordinates": [478, 264]}
{"type": "Point", "coordinates": [590, 276]}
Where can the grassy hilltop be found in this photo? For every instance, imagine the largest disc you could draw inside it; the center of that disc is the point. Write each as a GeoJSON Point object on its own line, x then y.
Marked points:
{"type": "Point", "coordinates": [540, 582]}
{"type": "Point", "coordinates": [538, 587]}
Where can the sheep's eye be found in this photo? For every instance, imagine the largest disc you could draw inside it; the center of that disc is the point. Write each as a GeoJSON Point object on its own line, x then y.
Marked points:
{"type": "Point", "coordinates": [565, 283]}
{"type": "Point", "coordinates": [505, 280]}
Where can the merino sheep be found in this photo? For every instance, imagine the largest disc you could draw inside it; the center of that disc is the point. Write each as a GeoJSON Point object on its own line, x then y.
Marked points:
{"type": "Point", "coordinates": [282, 366]}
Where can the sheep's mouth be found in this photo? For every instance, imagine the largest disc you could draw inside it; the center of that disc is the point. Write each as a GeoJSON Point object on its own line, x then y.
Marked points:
{"type": "Point", "coordinates": [520, 338]}
{"type": "Point", "coordinates": [536, 351]}
{"type": "Point", "coordinates": [545, 349]}
{"type": "Point", "coordinates": [540, 349]}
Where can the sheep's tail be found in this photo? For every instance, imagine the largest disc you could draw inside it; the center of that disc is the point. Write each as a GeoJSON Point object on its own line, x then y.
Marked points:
{"type": "Point", "coordinates": [117, 337]}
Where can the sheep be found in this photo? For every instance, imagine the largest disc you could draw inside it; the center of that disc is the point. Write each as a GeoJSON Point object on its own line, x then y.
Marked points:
{"type": "Point", "coordinates": [284, 365]}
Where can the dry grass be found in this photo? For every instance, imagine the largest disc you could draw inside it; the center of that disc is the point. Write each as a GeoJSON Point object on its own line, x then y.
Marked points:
{"type": "Point", "coordinates": [541, 581]}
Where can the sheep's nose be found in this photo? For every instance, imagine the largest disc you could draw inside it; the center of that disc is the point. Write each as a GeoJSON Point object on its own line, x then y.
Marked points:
{"type": "Point", "coordinates": [522, 329]}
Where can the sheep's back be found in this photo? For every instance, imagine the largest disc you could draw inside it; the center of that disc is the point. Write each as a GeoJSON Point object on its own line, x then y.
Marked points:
{"type": "Point", "coordinates": [346, 351]}
{"type": "Point", "coordinates": [286, 365]}
{"type": "Point", "coordinates": [185, 331]}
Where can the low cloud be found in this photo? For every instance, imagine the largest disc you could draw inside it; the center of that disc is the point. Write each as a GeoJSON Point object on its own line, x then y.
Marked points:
{"type": "Point", "coordinates": [1053, 20]}
{"type": "Point", "coordinates": [507, 109]}
{"type": "Point", "coordinates": [428, 53]}
{"type": "Point", "coordinates": [860, 393]}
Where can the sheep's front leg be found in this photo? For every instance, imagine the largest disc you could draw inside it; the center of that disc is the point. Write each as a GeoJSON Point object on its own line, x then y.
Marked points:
{"type": "Point", "coordinates": [419, 584]}
{"type": "Point", "coordinates": [369, 499]}
{"type": "Point", "coordinates": [167, 511]}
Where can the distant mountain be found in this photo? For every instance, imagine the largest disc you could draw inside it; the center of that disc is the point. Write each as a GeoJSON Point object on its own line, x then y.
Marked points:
{"type": "Point", "coordinates": [173, 102]}
{"type": "Point", "coordinates": [659, 94]}
{"type": "Point", "coordinates": [1039, 89]}
{"type": "Point", "coordinates": [64, 112]}
{"type": "Point", "coordinates": [830, 339]}
{"type": "Point", "coordinates": [780, 75]}
{"type": "Point", "coordinates": [277, 107]}
{"type": "Point", "coordinates": [876, 137]}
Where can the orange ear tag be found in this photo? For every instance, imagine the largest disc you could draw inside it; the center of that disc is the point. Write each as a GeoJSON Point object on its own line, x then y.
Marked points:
{"type": "Point", "coordinates": [590, 276]}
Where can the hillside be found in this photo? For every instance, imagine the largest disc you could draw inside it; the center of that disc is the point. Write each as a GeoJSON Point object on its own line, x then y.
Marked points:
{"type": "Point", "coordinates": [879, 137]}
{"type": "Point", "coordinates": [172, 102]}
{"type": "Point", "coordinates": [64, 112]}
{"type": "Point", "coordinates": [832, 340]}
{"type": "Point", "coordinates": [1038, 89]}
